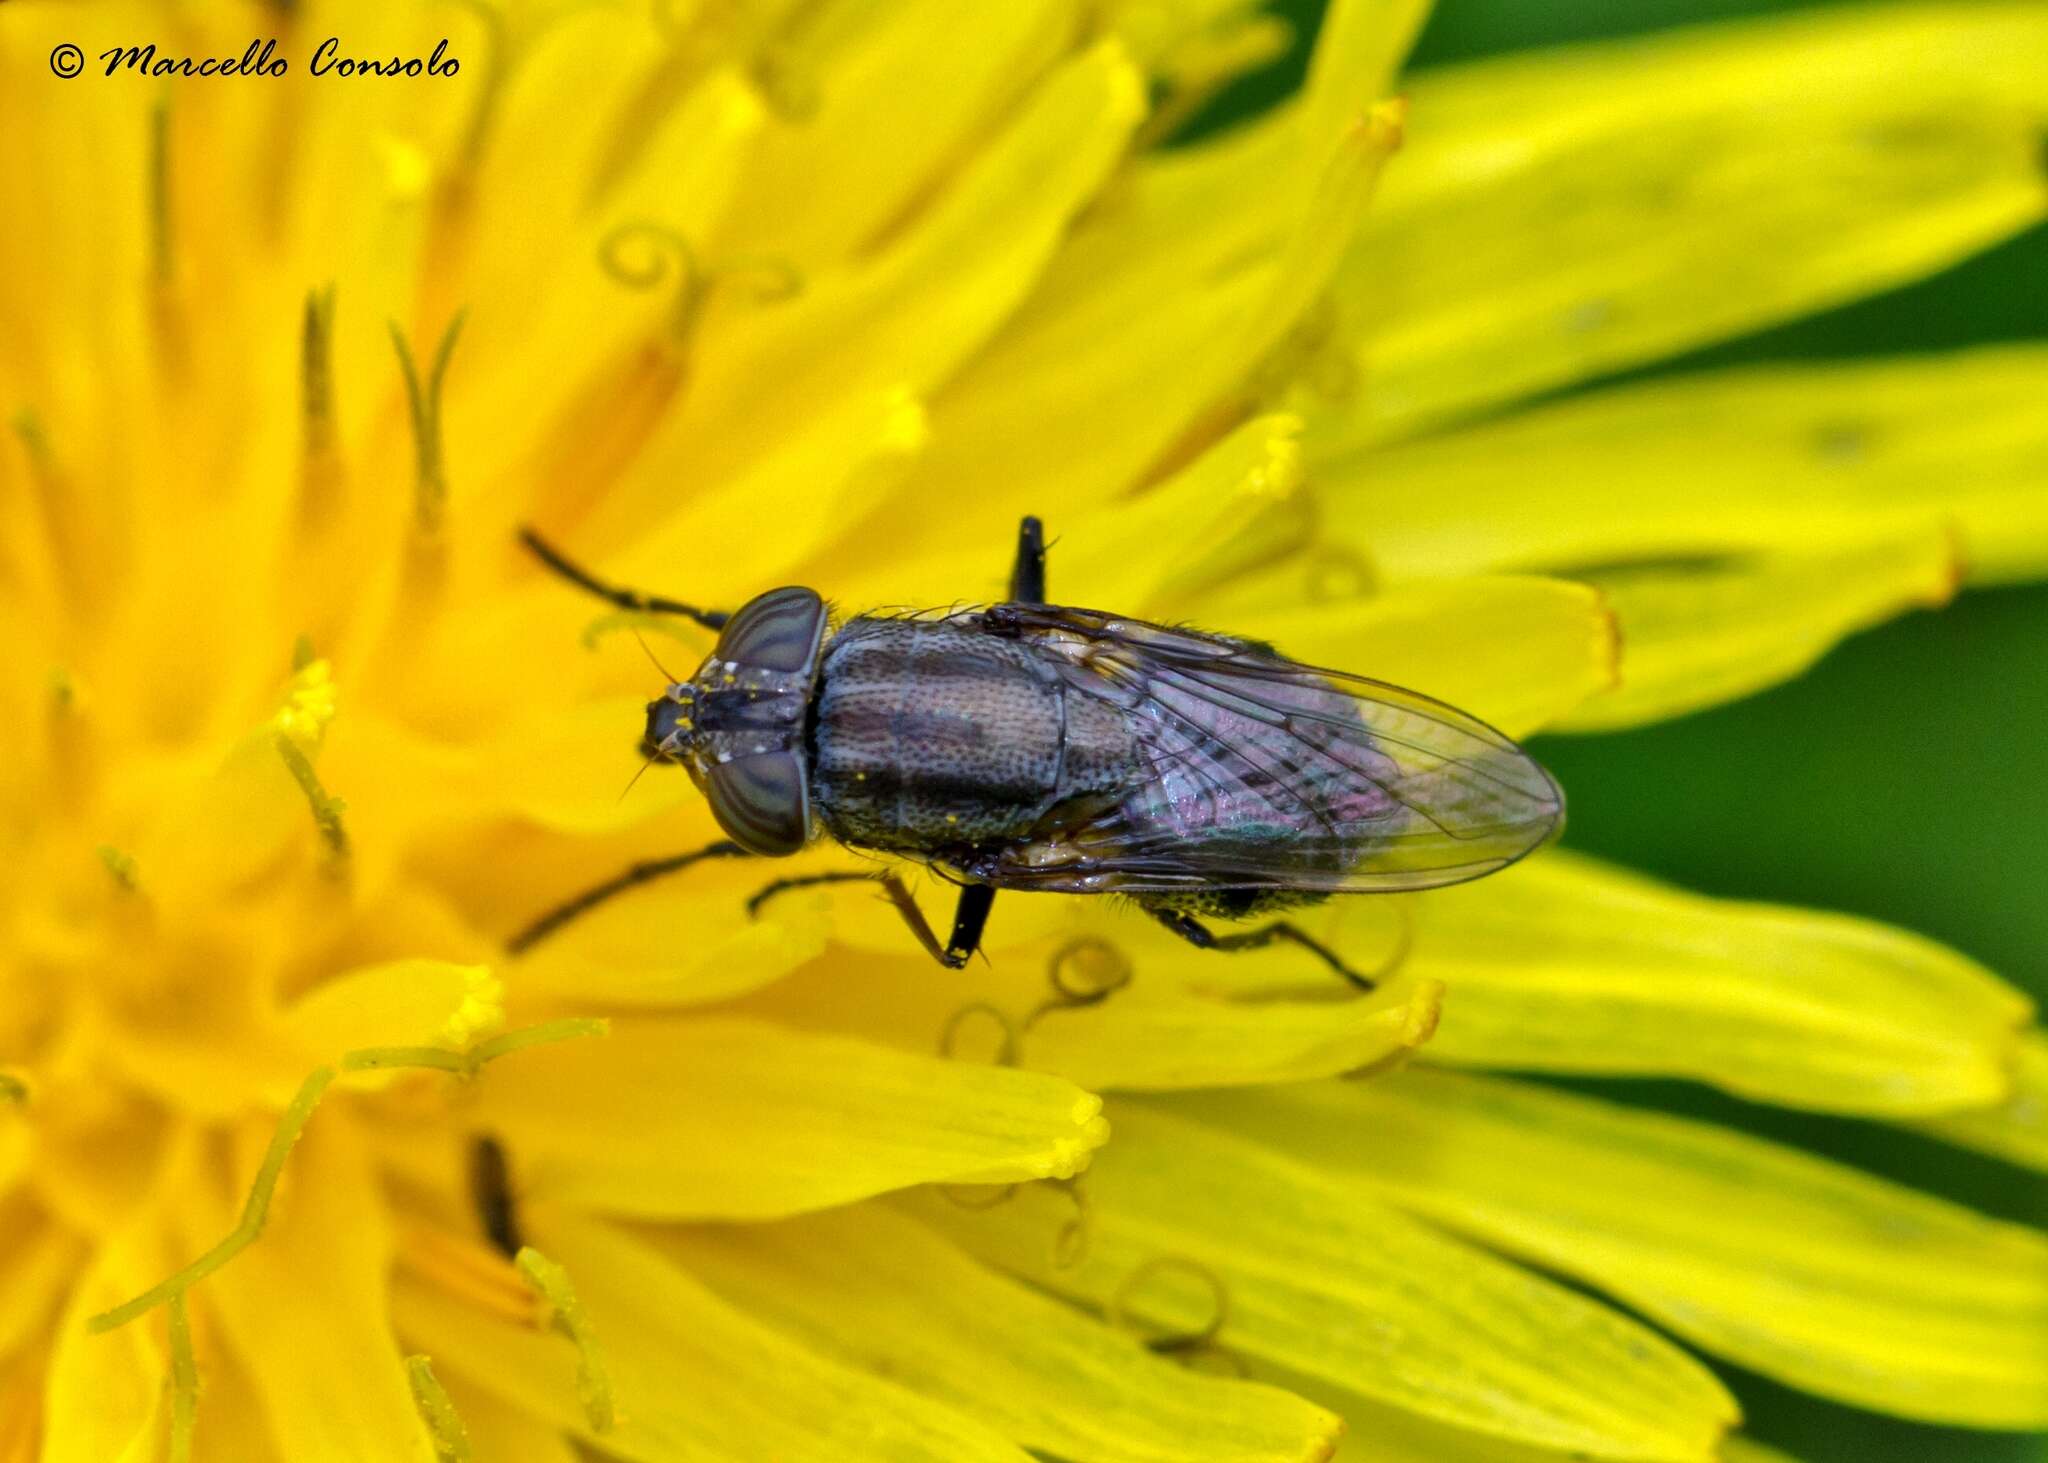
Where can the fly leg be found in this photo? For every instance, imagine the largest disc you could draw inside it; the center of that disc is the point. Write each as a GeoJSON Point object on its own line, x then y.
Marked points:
{"type": "Point", "coordinates": [968, 917]}
{"type": "Point", "coordinates": [1027, 579]}
{"type": "Point", "coordinates": [625, 599]}
{"type": "Point", "coordinates": [589, 899]}
{"type": "Point", "coordinates": [490, 1189]}
{"type": "Point", "coordinates": [1203, 938]}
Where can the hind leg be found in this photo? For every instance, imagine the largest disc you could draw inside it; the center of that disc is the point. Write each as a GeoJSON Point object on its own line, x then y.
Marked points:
{"type": "Point", "coordinates": [1203, 938]}
{"type": "Point", "coordinates": [1236, 904]}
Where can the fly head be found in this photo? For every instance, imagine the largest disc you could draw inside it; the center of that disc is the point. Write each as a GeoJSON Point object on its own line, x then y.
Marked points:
{"type": "Point", "coordinates": [738, 723]}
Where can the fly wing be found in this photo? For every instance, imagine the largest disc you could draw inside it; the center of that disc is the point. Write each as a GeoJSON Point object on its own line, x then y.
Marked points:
{"type": "Point", "coordinates": [1267, 774]}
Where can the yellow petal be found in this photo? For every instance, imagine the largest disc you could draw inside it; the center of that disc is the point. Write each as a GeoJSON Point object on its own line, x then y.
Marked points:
{"type": "Point", "coordinates": [725, 1118]}
{"type": "Point", "coordinates": [1186, 1017]}
{"type": "Point", "coordinates": [1567, 965]}
{"type": "Point", "coordinates": [1747, 1450]}
{"type": "Point", "coordinates": [400, 1003]}
{"type": "Point", "coordinates": [43, 1260]}
{"type": "Point", "coordinates": [1567, 213]}
{"type": "Point", "coordinates": [303, 1308]}
{"type": "Point", "coordinates": [882, 1292]}
{"type": "Point", "coordinates": [1375, 1432]}
{"type": "Point", "coordinates": [499, 1429]}
{"type": "Point", "coordinates": [1804, 1270]}
{"type": "Point", "coordinates": [1696, 635]}
{"type": "Point", "coordinates": [1240, 505]}
{"type": "Point", "coordinates": [672, 944]}
{"type": "Point", "coordinates": [695, 1378]}
{"type": "Point", "coordinates": [1518, 653]}
{"type": "Point", "coordinates": [104, 1399]}
{"type": "Point", "coordinates": [1141, 343]}
{"type": "Point", "coordinates": [1722, 463]}
{"type": "Point", "coordinates": [2017, 1128]}
{"type": "Point", "coordinates": [986, 240]}
{"type": "Point", "coordinates": [1319, 1277]}
{"type": "Point", "coordinates": [1153, 1037]}
{"type": "Point", "coordinates": [894, 116]}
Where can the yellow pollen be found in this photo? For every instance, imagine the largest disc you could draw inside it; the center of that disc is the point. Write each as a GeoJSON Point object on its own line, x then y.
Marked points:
{"type": "Point", "coordinates": [481, 1010]}
{"type": "Point", "coordinates": [309, 704]}
{"type": "Point", "coordinates": [407, 172]}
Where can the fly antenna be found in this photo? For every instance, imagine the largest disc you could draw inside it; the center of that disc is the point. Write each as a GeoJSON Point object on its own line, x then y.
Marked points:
{"type": "Point", "coordinates": [634, 780]}
{"type": "Point", "coordinates": [666, 674]}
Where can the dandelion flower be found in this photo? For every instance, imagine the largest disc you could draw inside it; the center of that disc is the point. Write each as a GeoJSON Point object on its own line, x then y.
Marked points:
{"type": "Point", "coordinates": [738, 294]}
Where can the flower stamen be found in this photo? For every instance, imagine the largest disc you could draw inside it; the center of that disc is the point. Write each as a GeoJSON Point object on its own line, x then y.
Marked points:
{"type": "Point", "coordinates": [1006, 1049]}
{"type": "Point", "coordinates": [160, 252]}
{"type": "Point", "coordinates": [437, 1411]}
{"type": "Point", "coordinates": [292, 1122]}
{"type": "Point", "coordinates": [1084, 971]}
{"type": "Point", "coordinates": [120, 867]}
{"type": "Point", "coordinates": [57, 507]}
{"type": "Point", "coordinates": [593, 1377]}
{"type": "Point", "coordinates": [318, 466]}
{"type": "Point", "coordinates": [1070, 1244]}
{"type": "Point", "coordinates": [1172, 1343]}
{"type": "Point", "coordinates": [184, 1382]}
{"type": "Point", "coordinates": [430, 478]}
{"type": "Point", "coordinates": [642, 254]}
{"type": "Point", "coordinates": [327, 809]}
{"type": "Point", "coordinates": [465, 1064]}
{"type": "Point", "coordinates": [255, 1210]}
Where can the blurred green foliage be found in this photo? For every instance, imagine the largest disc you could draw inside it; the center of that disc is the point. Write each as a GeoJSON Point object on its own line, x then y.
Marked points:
{"type": "Point", "coordinates": [1906, 778]}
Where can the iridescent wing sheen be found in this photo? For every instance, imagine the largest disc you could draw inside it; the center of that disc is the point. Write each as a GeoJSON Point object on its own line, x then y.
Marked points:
{"type": "Point", "coordinates": [1266, 774]}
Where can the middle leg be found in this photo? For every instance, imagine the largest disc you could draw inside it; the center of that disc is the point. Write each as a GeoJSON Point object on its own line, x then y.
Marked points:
{"type": "Point", "coordinates": [970, 915]}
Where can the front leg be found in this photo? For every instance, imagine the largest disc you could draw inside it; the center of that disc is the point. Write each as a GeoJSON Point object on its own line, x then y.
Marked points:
{"type": "Point", "coordinates": [635, 876]}
{"type": "Point", "coordinates": [625, 599]}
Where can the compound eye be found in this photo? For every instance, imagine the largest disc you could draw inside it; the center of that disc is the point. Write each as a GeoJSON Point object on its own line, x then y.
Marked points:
{"type": "Point", "coordinates": [763, 802]}
{"type": "Point", "coordinates": [777, 631]}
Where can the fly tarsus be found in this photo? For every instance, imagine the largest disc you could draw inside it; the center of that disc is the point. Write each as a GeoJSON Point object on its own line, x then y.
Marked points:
{"type": "Point", "coordinates": [1203, 938]}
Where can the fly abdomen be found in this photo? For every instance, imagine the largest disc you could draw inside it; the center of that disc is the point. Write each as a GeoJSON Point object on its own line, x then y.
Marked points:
{"type": "Point", "coordinates": [935, 735]}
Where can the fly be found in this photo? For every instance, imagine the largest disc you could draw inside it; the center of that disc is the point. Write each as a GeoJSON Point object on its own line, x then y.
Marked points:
{"type": "Point", "coordinates": [1034, 746]}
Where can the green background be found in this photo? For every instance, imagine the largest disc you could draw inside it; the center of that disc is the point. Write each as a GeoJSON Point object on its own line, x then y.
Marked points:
{"type": "Point", "coordinates": [1904, 778]}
